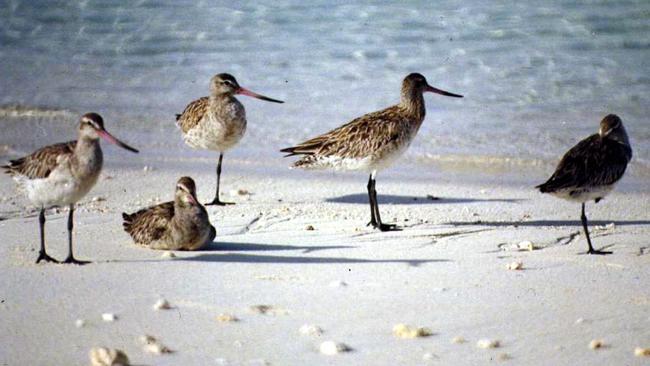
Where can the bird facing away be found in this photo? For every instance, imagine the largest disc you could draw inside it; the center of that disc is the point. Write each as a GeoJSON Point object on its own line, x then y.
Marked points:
{"type": "Point", "coordinates": [181, 224]}
{"type": "Point", "coordinates": [62, 174]}
{"type": "Point", "coordinates": [371, 142]}
{"type": "Point", "coordinates": [591, 169]}
{"type": "Point", "coordinates": [217, 122]}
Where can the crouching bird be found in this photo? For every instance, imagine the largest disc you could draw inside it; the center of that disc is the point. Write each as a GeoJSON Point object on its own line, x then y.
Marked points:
{"type": "Point", "coordinates": [181, 224]}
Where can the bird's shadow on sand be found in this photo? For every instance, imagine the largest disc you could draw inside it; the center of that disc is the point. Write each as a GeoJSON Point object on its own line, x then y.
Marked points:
{"type": "Point", "coordinates": [254, 247]}
{"type": "Point", "coordinates": [362, 198]}
{"type": "Point", "coordinates": [548, 223]}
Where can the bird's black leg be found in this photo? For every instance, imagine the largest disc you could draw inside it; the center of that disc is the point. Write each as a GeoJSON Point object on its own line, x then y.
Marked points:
{"type": "Point", "coordinates": [371, 199]}
{"type": "Point", "coordinates": [71, 258]}
{"type": "Point", "coordinates": [379, 225]}
{"type": "Point", "coordinates": [216, 201]}
{"type": "Point", "coordinates": [591, 250]}
{"type": "Point", "coordinates": [42, 255]}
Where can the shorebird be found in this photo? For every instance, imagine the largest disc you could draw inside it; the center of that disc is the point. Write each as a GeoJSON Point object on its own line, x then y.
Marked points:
{"type": "Point", "coordinates": [181, 224]}
{"type": "Point", "coordinates": [371, 142]}
{"type": "Point", "coordinates": [62, 174]}
{"type": "Point", "coordinates": [591, 169]}
{"type": "Point", "coordinates": [217, 122]}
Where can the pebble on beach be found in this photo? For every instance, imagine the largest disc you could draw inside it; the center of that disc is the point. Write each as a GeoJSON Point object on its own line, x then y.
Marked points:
{"type": "Point", "coordinates": [226, 318]}
{"type": "Point", "coordinates": [151, 345]}
{"type": "Point", "coordinates": [79, 323]}
{"type": "Point", "coordinates": [596, 344]}
{"type": "Point", "coordinates": [266, 310]}
{"type": "Point", "coordinates": [642, 352]}
{"type": "Point", "coordinates": [109, 317]}
{"type": "Point", "coordinates": [168, 254]}
{"type": "Point", "coordinates": [515, 266]}
{"type": "Point", "coordinates": [162, 304]}
{"type": "Point", "coordinates": [310, 228]}
{"type": "Point", "coordinates": [311, 330]}
{"type": "Point", "coordinates": [488, 343]}
{"type": "Point", "coordinates": [458, 340]}
{"type": "Point", "coordinates": [102, 356]}
{"type": "Point", "coordinates": [331, 348]}
{"type": "Point", "coordinates": [408, 332]}
{"type": "Point", "coordinates": [526, 245]}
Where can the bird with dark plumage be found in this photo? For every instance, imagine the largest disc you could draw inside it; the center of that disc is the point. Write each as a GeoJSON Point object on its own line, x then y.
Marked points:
{"type": "Point", "coordinates": [62, 174]}
{"type": "Point", "coordinates": [217, 122]}
{"type": "Point", "coordinates": [181, 224]}
{"type": "Point", "coordinates": [591, 169]}
{"type": "Point", "coordinates": [371, 142]}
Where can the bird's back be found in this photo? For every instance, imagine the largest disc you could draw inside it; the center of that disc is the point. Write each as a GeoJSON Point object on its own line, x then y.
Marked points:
{"type": "Point", "coordinates": [593, 162]}
{"type": "Point", "coordinates": [149, 224]}
{"type": "Point", "coordinates": [41, 162]}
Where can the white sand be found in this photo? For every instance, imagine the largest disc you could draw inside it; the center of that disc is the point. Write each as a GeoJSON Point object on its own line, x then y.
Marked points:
{"type": "Point", "coordinates": [447, 271]}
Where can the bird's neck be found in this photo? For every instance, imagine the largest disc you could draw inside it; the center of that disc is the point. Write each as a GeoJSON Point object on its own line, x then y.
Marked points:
{"type": "Point", "coordinates": [88, 156]}
{"type": "Point", "coordinates": [412, 101]}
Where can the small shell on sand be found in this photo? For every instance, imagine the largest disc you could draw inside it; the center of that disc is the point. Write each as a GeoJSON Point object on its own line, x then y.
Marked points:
{"type": "Point", "coordinates": [311, 330]}
{"type": "Point", "coordinates": [109, 317]}
{"type": "Point", "coordinates": [642, 352]}
{"type": "Point", "coordinates": [596, 344]}
{"type": "Point", "coordinates": [526, 245]}
{"type": "Point", "coordinates": [162, 304]}
{"type": "Point", "coordinates": [226, 318]}
{"type": "Point", "coordinates": [488, 343]}
{"type": "Point", "coordinates": [331, 348]}
{"type": "Point", "coordinates": [168, 254]}
{"type": "Point", "coordinates": [151, 345]}
{"type": "Point", "coordinates": [429, 356]}
{"type": "Point", "coordinates": [239, 192]}
{"type": "Point", "coordinates": [515, 266]}
{"type": "Point", "coordinates": [266, 310]}
{"type": "Point", "coordinates": [79, 323]}
{"type": "Point", "coordinates": [458, 340]}
{"type": "Point", "coordinates": [408, 332]}
{"type": "Point", "coordinates": [98, 199]}
{"type": "Point", "coordinates": [309, 228]}
{"type": "Point", "coordinates": [102, 356]}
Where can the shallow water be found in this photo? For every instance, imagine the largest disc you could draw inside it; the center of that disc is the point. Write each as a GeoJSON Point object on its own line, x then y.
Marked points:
{"type": "Point", "coordinates": [535, 79]}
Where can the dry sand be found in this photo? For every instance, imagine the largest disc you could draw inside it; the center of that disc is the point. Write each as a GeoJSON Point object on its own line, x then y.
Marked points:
{"type": "Point", "coordinates": [446, 271]}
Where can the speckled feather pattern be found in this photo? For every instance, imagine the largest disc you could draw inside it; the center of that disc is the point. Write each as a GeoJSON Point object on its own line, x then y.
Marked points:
{"type": "Point", "coordinates": [41, 162]}
{"type": "Point", "coordinates": [166, 226]}
{"type": "Point", "coordinates": [213, 123]}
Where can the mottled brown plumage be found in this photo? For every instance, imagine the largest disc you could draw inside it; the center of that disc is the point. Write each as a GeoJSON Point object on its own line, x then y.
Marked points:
{"type": "Point", "coordinates": [371, 142]}
{"type": "Point", "coordinates": [217, 122]}
{"type": "Point", "coordinates": [62, 174]}
{"type": "Point", "coordinates": [591, 169]}
{"type": "Point", "coordinates": [41, 162]}
{"type": "Point", "coordinates": [182, 224]}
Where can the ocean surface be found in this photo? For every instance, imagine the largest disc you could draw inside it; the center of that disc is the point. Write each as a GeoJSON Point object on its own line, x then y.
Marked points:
{"type": "Point", "coordinates": [536, 79]}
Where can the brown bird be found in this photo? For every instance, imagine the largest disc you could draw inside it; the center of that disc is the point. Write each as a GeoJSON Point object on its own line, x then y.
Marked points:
{"type": "Point", "coordinates": [182, 224]}
{"type": "Point", "coordinates": [62, 174]}
{"type": "Point", "coordinates": [591, 169]}
{"type": "Point", "coordinates": [371, 142]}
{"type": "Point", "coordinates": [217, 122]}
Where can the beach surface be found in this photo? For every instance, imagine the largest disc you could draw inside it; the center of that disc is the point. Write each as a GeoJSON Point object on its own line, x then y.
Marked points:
{"type": "Point", "coordinates": [295, 250]}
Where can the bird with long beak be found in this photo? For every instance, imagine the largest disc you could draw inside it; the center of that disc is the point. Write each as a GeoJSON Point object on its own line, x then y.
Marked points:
{"type": "Point", "coordinates": [62, 174]}
{"type": "Point", "coordinates": [591, 169]}
{"type": "Point", "coordinates": [371, 142]}
{"type": "Point", "coordinates": [217, 122]}
{"type": "Point", "coordinates": [181, 224]}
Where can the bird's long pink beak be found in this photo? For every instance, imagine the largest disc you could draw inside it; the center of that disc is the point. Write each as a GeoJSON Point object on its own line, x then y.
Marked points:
{"type": "Point", "coordinates": [110, 138]}
{"type": "Point", "coordinates": [244, 91]}
{"type": "Point", "coordinates": [429, 88]}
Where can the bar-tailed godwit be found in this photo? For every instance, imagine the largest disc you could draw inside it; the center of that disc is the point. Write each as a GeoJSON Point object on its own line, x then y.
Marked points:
{"type": "Point", "coordinates": [62, 174]}
{"type": "Point", "coordinates": [181, 224]}
{"type": "Point", "coordinates": [371, 142]}
{"type": "Point", "coordinates": [217, 122]}
{"type": "Point", "coordinates": [591, 169]}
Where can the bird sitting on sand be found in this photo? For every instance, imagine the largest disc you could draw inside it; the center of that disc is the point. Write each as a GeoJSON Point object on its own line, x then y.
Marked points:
{"type": "Point", "coordinates": [371, 142]}
{"type": "Point", "coordinates": [591, 169]}
{"type": "Point", "coordinates": [182, 224]}
{"type": "Point", "coordinates": [217, 122]}
{"type": "Point", "coordinates": [62, 174]}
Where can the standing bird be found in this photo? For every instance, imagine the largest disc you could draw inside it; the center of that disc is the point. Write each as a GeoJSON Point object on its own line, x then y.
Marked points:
{"type": "Point", "coordinates": [181, 224]}
{"type": "Point", "coordinates": [217, 122]}
{"type": "Point", "coordinates": [62, 174]}
{"type": "Point", "coordinates": [371, 142]}
{"type": "Point", "coordinates": [591, 169]}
